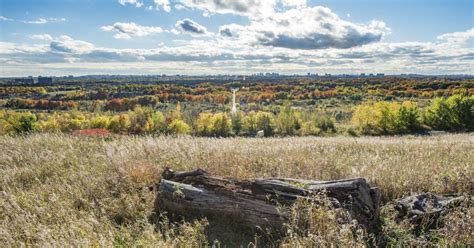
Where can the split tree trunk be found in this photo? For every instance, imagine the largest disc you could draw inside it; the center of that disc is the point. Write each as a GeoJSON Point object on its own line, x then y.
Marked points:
{"type": "Point", "coordinates": [260, 203]}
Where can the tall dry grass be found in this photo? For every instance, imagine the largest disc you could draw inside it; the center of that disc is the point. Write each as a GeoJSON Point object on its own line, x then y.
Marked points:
{"type": "Point", "coordinates": [60, 190]}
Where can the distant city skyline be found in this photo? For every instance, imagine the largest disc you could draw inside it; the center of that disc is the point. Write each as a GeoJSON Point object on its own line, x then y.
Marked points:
{"type": "Point", "coordinates": [199, 37]}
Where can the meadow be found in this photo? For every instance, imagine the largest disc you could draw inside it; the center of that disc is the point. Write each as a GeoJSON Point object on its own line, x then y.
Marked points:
{"type": "Point", "coordinates": [64, 190]}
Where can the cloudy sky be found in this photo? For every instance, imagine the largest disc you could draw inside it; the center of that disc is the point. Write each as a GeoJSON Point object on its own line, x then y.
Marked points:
{"type": "Point", "coordinates": [196, 37]}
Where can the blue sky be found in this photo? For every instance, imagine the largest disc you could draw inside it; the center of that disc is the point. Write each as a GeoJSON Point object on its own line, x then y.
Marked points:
{"type": "Point", "coordinates": [62, 37]}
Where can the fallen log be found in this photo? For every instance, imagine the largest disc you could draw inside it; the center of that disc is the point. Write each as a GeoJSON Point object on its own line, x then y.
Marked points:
{"type": "Point", "coordinates": [424, 210]}
{"type": "Point", "coordinates": [259, 203]}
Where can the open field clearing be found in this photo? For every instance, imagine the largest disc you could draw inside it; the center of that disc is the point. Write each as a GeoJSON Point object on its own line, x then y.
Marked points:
{"type": "Point", "coordinates": [58, 190]}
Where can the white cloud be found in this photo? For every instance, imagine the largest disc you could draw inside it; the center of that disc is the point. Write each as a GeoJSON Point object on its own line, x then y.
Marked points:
{"type": "Point", "coordinates": [294, 3]}
{"type": "Point", "coordinates": [237, 7]}
{"type": "Point", "coordinates": [457, 37]}
{"type": "Point", "coordinates": [190, 27]}
{"type": "Point", "coordinates": [306, 28]}
{"type": "Point", "coordinates": [219, 55]}
{"type": "Point", "coordinates": [45, 37]}
{"type": "Point", "coordinates": [163, 4]}
{"type": "Point", "coordinates": [66, 44]}
{"type": "Point", "coordinates": [137, 3]}
{"type": "Point", "coordinates": [46, 20]}
{"type": "Point", "coordinates": [3, 18]}
{"type": "Point", "coordinates": [129, 30]}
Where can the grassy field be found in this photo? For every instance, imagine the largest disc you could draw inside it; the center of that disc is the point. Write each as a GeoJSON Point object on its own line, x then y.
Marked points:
{"type": "Point", "coordinates": [61, 190]}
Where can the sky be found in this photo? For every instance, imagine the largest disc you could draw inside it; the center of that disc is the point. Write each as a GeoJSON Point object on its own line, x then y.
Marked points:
{"type": "Point", "coordinates": [200, 37]}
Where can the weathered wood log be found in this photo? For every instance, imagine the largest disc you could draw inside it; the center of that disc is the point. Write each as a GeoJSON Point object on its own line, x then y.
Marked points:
{"type": "Point", "coordinates": [260, 203]}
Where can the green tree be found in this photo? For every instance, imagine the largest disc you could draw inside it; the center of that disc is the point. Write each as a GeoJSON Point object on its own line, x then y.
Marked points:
{"type": "Point", "coordinates": [266, 122]}
{"type": "Point", "coordinates": [204, 124]}
{"type": "Point", "coordinates": [221, 125]}
{"type": "Point", "coordinates": [453, 114]}
{"type": "Point", "coordinates": [249, 123]}
{"type": "Point", "coordinates": [237, 122]}
{"type": "Point", "coordinates": [408, 120]}
{"type": "Point", "coordinates": [287, 122]}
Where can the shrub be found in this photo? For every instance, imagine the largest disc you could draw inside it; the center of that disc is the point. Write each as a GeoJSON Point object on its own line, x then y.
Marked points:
{"type": "Point", "coordinates": [249, 123]}
{"type": "Point", "coordinates": [387, 118]}
{"type": "Point", "coordinates": [326, 124]}
{"type": "Point", "coordinates": [99, 121]}
{"type": "Point", "coordinates": [256, 121]}
{"type": "Point", "coordinates": [146, 120]}
{"type": "Point", "coordinates": [178, 127]}
{"type": "Point", "coordinates": [236, 122]}
{"type": "Point", "coordinates": [453, 114]}
{"type": "Point", "coordinates": [204, 124]}
{"type": "Point", "coordinates": [214, 125]}
{"type": "Point", "coordinates": [120, 123]}
{"type": "Point", "coordinates": [24, 123]}
{"type": "Point", "coordinates": [221, 125]}
{"type": "Point", "coordinates": [287, 121]}
{"type": "Point", "coordinates": [308, 128]}
{"type": "Point", "coordinates": [266, 122]}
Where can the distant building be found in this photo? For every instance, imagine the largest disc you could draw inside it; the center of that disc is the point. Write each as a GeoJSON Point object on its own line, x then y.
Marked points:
{"type": "Point", "coordinates": [45, 80]}
{"type": "Point", "coordinates": [27, 80]}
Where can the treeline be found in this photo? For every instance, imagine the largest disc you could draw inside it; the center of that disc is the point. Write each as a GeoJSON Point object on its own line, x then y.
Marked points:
{"type": "Point", "coordinates": [455, 113]}
{"type": "Point", "coordinates": [145, 120]}
{"type": "Point", "coordinates": [43, 104]}
{"type": "Point", "coordinates": [124, 97]}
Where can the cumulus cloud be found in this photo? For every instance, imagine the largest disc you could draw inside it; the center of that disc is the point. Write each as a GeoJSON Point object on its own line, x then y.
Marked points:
{"type": "Point", "coordinates": [221, 56]}
{"type": "Point", "coordinates": [66, 44]}
{"type": "Point", "coordinates": [45, 20]}
{"type": "Point", "coordinates": [129, 30]}
{"type": "Point", "coordinates": [163, 4]}
{"type": "Point", "coordinates": [137, 3]}
{"type": "Point", "coordinates": [457, 37]}
{"type": "Point", "coordinates": [306, 28]}
{"type": "Point", "coordinates": [190, 27]}
{"type": "Point", "coordinates": [45, 37]}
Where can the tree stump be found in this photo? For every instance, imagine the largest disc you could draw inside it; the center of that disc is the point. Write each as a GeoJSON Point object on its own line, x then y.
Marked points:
{"type": "Point", "coordinates": [259, 203]}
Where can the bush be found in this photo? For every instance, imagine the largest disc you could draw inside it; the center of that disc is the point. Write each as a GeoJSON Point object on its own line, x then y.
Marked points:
{"type": "Point", "coordinates": [204, 124]}
{"type": "Point", "coordinates": [178, 127]}
{"type": "Point", "coordinates": [237, 122]}
{"type": "Point", "coordinates": [214, 125]}
{"type": "Point", "coordinates": [453, 114]}
{"type": "Point", "coordinates": [256, 121]}
{"type": "Point", "coordinates": [266, 122]}
{"type": "Point", "coordinates": [287, 121]}
{"type": "Point", "coordinates": [387, 118]}
{"type": "Point", "coordinates": [26, 123]}
{"type": "Point", "coordinates": [99, 121]}
{"type": "Point", "coordinates": [146, 120]}
{"type": "Point", "coordinates": [221, 125]}
{"type": "Point", "coordinates": [120, 123]}
{"type": "Point", "coordinates": [326, 124]}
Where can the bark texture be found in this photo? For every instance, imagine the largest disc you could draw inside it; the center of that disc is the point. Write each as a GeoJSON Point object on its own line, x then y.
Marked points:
{"type": "Point", "coordinates": [259, 203]}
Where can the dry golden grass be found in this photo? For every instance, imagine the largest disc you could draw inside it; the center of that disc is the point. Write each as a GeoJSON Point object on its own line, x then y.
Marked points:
{"type": "Point", "coordinates": [60, 190]}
